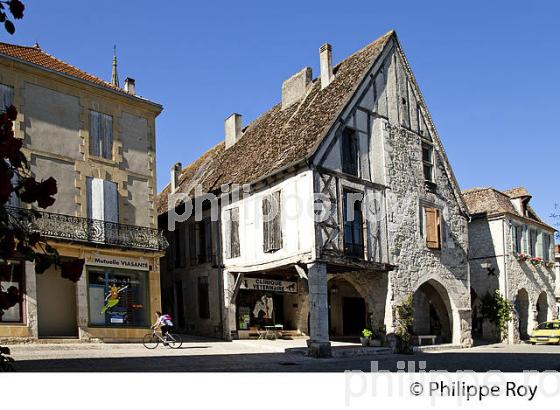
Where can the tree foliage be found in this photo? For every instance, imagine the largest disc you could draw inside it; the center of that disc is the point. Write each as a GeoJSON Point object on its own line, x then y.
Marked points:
{"type": "Point", "coordinates": [13, 7]}
{"type": "Point", "coordinates": [497, 310]}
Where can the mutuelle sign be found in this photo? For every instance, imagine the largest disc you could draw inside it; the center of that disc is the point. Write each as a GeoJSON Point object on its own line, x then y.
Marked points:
{"type": "Point", "coordinates": [119, 262]}
{"type": "Point", "coordinates": [269, 285]}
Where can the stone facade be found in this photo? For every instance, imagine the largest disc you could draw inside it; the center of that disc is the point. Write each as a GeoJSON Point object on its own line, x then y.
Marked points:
{"type": "Point", "coordinates": [495, 265]}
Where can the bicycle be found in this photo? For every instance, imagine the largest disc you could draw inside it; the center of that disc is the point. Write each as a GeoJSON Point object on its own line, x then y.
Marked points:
{"type": "Point", "coordinates": [6, 362]}
{"type": "Point", "coordinates": [152, 340]}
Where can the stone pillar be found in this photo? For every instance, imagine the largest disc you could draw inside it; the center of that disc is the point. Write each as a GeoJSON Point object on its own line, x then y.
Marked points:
{"type": "Point", "coordinates": [465, 320]}
{"type": "Point", "coordinates": [31, 297]}
{"type": "Point", "coordinates": [82, 307]}
{"type": "Point", "coordinates": [229, 308]}
{"type": "Point", "coordinates": [532, 321]}
{"type": "Point", "coordinates": [318, 344]}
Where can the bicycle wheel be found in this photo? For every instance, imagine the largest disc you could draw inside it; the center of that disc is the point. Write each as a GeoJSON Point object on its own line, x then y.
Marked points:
{"type": "Point", "coordinates": [175, 341]}
{"type": "Point", "coordinates": [150, 341]}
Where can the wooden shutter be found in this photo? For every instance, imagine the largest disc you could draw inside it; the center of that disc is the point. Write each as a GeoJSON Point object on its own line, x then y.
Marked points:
{"type": "Point", "coordinates": [192, 243]}
{"type": "Point", "coordinates": [110, 202]}
{"type": "Point", "coordinates": [433, 228]}
{"type": "Point", "coordinates": [95, 200]}
{"type": "Point", "coordinates": [267, 231]}
{"type": "Point", "coordinates": [208, 240]}
{"type": "Point", "coordinates": [227, 233]}
{"type": "Point", "coordinates": [107, 137]}
{"type": "Point", "coordinates": [6, 97]}
{"type": "Point", "coordinates": [277, 222]}
{"type": "Point", "coordinates": [94, 133]}
{"type": "Point", "coordinates": [234, 233]}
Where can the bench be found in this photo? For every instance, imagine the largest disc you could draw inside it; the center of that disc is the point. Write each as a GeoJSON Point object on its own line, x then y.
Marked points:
{"type": "Point", "coordinates": [420, 338]}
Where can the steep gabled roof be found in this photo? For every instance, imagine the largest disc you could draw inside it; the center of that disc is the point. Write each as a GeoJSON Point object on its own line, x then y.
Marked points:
{"type": "Point", "coordinates": [490, 201]}
{"type": "Point", "coordinates": [279, 138]}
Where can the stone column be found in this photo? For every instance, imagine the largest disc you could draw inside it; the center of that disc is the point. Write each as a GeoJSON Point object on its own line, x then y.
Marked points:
{"type": "Point", "coordinates": [229, 308]}
{"type": "Point", "coordinates": [465, 328]}
{"type": "Point", "coordinates": [318, 344]}
{"type": "Point", "coordinates": [31, 297]}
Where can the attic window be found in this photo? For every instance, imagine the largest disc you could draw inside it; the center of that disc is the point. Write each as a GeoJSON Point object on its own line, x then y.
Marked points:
{"type": "Point", "coordinates": [350, 151]}
{"type": "Point", "coordinates": [428, 161]}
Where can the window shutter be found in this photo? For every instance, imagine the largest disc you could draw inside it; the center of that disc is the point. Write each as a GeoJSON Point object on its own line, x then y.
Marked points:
{"type": "Point", "coordinates": [234, 233]}
{"type": "Point", "coordinates": [208, 239]}
{"type": "Point", "coordinates": [267, 243]}
{"type": "Point", "coordinates": [94, 126]}
{"type": "Point", "coordinates": [107, 145]}
{"type": "Point", "coordinates": [227, 234]}
{"type": "Point", "coordinates": [110, 202]}
{"type": "Point", "coordinates": [277, 222]}
{"type": "Point", "coordinates": [192, 243]}
{"type": "Point", "coordinates": [95, 198]}
{"type": "Point", "coordinates": [433, 228]}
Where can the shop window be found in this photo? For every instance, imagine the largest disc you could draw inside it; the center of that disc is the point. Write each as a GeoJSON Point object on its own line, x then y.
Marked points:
{"type": "Point", "coordinates": [272, 222]}
{"type": "Point", "coordinates": [232, 233]}
{"type": "Point", "coordinates": [203, 298]}
{"type": "Point", "coordinates": [101, 135]}
{"type": "Point", "coordinates": [353, 225]}
{"type": "Point", "coordinates": [117, 298]}
{"type": "Point", "coordinates": [11, 275]}
{"type": "Point", "coordinates": [350, 160]}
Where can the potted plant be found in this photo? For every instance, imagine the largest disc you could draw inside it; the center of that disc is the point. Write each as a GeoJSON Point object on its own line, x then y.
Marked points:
{"type": "Point", "coordinates": [366, 335]}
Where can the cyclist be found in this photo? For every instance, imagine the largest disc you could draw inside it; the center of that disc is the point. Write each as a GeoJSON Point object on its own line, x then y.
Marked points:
{"type": "Point", "coordinates": [163, 321]}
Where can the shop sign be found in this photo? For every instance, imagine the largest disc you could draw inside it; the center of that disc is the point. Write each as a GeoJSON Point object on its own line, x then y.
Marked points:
{"type": "Point", "coordinates": [120, 262]}
{"type": "Point", "coordinates": [269, 285]}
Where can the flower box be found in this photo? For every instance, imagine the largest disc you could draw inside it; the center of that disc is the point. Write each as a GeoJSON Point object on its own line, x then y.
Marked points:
{"type": "Point", "coordinates": [521, 257]}
{"type": "Point", "coordinates": [536, 260]}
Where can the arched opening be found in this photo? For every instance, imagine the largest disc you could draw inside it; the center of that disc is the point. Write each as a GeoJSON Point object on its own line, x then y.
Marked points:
{"type": "Point", "coordinates": [522, 309]}
{"type": "Point", "coordinates": [477, 317]}
{"type": "Point", "coordinates": [432, 312]}
{"type": "Point", "coordinates": [347, 309]}
{"type": "Point", "coordinates": [542, 308]}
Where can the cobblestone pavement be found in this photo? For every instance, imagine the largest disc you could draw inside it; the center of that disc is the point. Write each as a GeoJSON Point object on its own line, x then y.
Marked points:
{"type": "Point", "coordinates": [199, 355]}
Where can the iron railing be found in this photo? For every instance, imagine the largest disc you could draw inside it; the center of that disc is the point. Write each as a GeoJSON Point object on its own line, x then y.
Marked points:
{"type": "Point", "coordinates": [95, 231]}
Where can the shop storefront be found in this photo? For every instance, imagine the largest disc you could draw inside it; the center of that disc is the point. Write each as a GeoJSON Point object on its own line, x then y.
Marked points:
{"type": "Point", "coordinates": [265, 301]}
{"type": "Point", "coordinates": [118, 294]}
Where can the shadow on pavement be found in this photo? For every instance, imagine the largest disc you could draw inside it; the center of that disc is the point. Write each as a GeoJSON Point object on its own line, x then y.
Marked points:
{"type": "Point", "coordinates": [281, 362]}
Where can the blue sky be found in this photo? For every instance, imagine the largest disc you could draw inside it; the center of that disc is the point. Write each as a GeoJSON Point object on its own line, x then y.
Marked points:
{"type": "Point", "coordinates": [488, 70]}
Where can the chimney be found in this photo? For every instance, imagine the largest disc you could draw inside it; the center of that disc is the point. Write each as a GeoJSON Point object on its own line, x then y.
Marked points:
{"type": "Point", "coordinates": [130, 85]}
{"type": "Point", "coordinates": [233, 126]}
{"type": "Point", "coordinates": [175, 173]}
{"type": "Point", "coordinates": [295, 87]}
{"type": "Point", "coordinates": [325, 61]}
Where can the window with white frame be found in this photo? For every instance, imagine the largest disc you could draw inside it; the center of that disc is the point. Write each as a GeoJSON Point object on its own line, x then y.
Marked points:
{"type": "Point", "coordinates": [428, 161]}
{"type": "Point", "coordinates": [101, 135]}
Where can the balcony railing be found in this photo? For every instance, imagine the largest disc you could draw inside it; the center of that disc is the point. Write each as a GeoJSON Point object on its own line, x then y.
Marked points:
{"type": "Point", "coordinates": [94, 231]}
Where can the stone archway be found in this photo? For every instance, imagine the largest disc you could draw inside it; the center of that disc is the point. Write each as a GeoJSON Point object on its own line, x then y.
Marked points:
{"type": "Point", "coordinates": [542, 308]}
{"type": "Point", "coordinates": [522, 310]}
{"type": "Point", "coordinates": [433, 313]}
{"type": "Point", "coordinates": [347, 309]}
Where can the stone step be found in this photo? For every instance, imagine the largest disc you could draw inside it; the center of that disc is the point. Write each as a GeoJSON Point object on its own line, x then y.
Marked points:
{"type": "Point", "coordinates": [345, 351]}
{"type": "Point", "coordinates": [436, 348]}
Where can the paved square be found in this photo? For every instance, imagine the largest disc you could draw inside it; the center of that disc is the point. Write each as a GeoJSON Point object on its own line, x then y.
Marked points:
{"type": "Point", "coordinates": [201, 355]}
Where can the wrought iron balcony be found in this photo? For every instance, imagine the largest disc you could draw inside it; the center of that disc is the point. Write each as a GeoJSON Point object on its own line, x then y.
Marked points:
{"type": "Point", "coordinates": [93, 231]}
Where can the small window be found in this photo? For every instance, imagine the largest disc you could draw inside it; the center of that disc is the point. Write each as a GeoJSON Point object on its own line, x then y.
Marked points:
{"type": "Point", "coordinates": [517, 240]}
{"type": "Point", "coordinates": [272, 222]}
{"type": "Point", "coordinates": [350, 160]}
{"type": "Point", "coordinates": [203, 241]}
{"type": "Point", "coordinates": [101, 135]}
{"type": "Point", "coordinates": [6, 97]}
{"type": "Point", "coordinates": [428, 162]}
{"type": "Point", "coordinates": [203, 298]}
{"type": "Point", "coordinates": [232, 233]}
{"type": "Point", "coordinates": [353, 225]}
{"type": "Point", "coordinates": [433, 228]}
